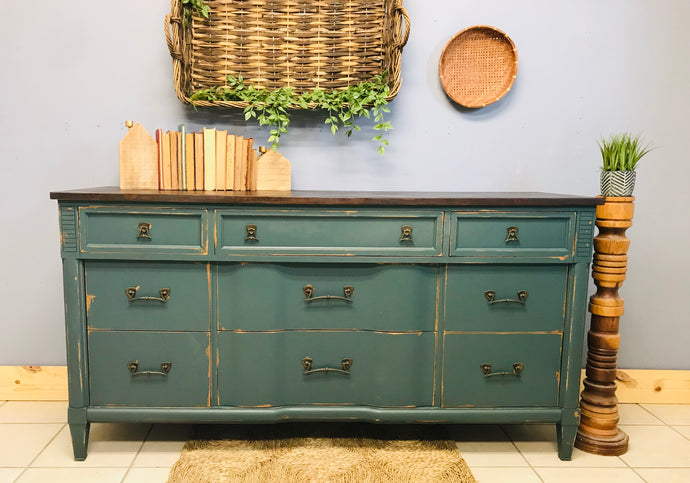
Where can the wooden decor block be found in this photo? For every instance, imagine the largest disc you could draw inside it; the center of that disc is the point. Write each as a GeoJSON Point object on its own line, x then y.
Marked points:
{"type": "Point", "coordinates": [273, 172]}
{"type": "Point", "coordinates": [138, 159]}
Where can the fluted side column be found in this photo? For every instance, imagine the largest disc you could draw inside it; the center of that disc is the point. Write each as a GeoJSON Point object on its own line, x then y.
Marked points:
{"type": "Point", "coordinates": [598, 431]}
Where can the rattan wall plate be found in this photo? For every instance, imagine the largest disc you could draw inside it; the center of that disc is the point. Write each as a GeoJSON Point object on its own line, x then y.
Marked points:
{"type": "Point", "coordinates": [302, 44]}
{"type": "Point", "coordinates": [478, 66]}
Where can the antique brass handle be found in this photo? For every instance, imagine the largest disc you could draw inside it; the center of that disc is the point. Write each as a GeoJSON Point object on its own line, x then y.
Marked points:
{"type": "Point", "coordinates": [308, 290]}
{"type": "Point", "coordinates": [517, 370]}
{"type": "Point", "coordinates": [491, 297]}
{"type": "Point", "coordinates": [345, 364]}
{"type": "Point", "coordinates": [131, 293]}
{"type": "Point", "coordinates": [144, 231]}
{"type": "Point", "coordinates": [251, 233]}
{"type": "Point", "coordinates": [133, 366]}
{"type": "Point", "coordinates": [406, 233]}
{"type": "Point", "coordinates": [512, 234]}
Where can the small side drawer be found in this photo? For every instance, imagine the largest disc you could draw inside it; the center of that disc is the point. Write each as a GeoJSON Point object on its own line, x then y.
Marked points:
{"type": "Point", "coordinates": [169, 370]}
{"type": "Point", "coordinates": [513, 234]}
{"type": "Point", "coordinates": [268, 296]}
{"type": "Point", "coordinates": [326, 232]}
{"type": "Point", "coordinates": [502, 370]}
{"type": "Point", "coordinates": [147, 231]}
{"type": "Point", "coordinates": [148, 296]}
{"type": "Point", "coordinates": [506, 298]}
{"type": "Point", "coordinates": [289, 368]}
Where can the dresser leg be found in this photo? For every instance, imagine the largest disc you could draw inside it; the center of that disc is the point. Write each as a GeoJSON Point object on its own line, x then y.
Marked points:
{"type": "Point", "coordinates": [80, 439]}
{"type": "Point", "coordinates": [566, 438]}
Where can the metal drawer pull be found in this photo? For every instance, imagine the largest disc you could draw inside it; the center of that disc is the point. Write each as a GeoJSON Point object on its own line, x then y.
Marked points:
{"type": "Point", "coordinates": [348, 290]}
{"type": "Point", "coordinates": [491, 297]}
{"type": "Point", "coordinates": [131, 293]}
{"type": "Point", "coordinates": [517, 370]}
{"type": "Point", "coordinates": [144, 231]}
{"type": "Point", "coordinates": [345, 364]}
{"type": "Point", "coordinates": [251, 233]}
{"type": "Point", "coordinates": [134, 365]}
{"type": "Point", "coordinates": [406, 233]}
{"type": "Point", "coordinates": [512, 234]}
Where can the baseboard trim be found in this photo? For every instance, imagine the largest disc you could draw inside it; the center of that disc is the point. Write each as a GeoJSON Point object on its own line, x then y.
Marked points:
{"type": "Point", "coordinates": [49, 383]}
{"type": "Point", "coordinates": [33, 383]}
{"type": "Point", "coordinates": [642, 386]}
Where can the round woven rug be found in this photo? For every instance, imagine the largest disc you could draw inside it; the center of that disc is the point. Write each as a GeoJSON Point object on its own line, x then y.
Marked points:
{"type": "Point", "coordinates": [304, 453]}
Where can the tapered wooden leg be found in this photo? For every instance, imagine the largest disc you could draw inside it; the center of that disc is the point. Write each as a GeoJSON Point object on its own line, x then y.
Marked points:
{"type": "Point", "coordinates": [598, 432]}
{"type": "Point", "coordinates": [566, 436]}
{"type": "Point", "coordinates": [80, 439]}
{"type": "Point", "coordinates": [79, 429]}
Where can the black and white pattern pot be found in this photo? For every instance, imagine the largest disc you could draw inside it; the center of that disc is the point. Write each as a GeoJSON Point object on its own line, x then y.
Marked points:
{"type": "Point", "coordinates": [617, 183]}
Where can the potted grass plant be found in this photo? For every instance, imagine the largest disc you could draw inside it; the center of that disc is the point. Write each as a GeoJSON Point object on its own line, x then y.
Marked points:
{"type": "Point", "coordinates": [620, 154]}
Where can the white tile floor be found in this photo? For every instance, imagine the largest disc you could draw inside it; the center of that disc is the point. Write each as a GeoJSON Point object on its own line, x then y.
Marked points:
{"type": "Point", "coordinates": [35, 447]}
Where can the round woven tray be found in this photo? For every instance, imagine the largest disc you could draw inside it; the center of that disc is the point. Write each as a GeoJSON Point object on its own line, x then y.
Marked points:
{"type": "Point", "coordinates": [478, 66]}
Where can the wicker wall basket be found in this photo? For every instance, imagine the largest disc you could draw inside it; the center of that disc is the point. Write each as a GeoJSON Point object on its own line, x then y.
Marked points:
{"type": "Point", "coordinates": [303, 44]}
{"type": "Point", "coordinates": [478, 66]}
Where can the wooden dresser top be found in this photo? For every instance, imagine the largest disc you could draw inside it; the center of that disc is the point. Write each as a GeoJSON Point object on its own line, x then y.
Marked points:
{"type": "Point", "coordinates": [333, 198]}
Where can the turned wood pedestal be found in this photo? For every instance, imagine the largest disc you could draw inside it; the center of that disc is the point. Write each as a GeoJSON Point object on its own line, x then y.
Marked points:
{"type": "Point", "coordinates": [598, 432]}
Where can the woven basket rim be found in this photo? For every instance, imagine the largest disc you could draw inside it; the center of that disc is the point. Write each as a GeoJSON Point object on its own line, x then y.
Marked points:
{"type": "Point", "coordinates": [495, 96]}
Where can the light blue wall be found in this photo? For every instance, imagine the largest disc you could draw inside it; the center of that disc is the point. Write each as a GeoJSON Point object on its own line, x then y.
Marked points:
{"type": "Point", "coordinates": [72, 72]}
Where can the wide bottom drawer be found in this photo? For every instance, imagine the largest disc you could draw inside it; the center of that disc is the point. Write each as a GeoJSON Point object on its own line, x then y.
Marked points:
{"type": "Point", "coordinates": [149, 368]}
{"type": "Point", "coordinates": [261, 369]}
{"type": "Point", "coordinates": [501, 369]}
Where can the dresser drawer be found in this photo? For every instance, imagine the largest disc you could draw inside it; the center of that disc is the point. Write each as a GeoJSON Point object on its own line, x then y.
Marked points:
{"type": "Point", "coordinates": [288, 368]}
{"type": "Point", "coordinates": [143, 230]}
{"type": "Point", "coordinates": [501, 369]}
{"type": "Point", "coordinates": [267, 296]}
{"type": "Point", "coordinates": [512, 298]}
{"type": "Point", "coordinates": [129, 368]}
{"type": "Point", "coordinates": [148, 295]}
{"type": "Point", "coordinates": [338, 232]}
{"type": "Point", "coordinates": [512, 234]}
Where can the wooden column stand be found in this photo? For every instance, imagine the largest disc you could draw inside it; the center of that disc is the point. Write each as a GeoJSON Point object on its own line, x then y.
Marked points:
{"type": "Point", "coordinates": [598, 432]}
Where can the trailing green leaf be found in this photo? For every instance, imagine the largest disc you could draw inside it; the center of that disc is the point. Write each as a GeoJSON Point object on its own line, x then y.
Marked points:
{"type": "Point", "coordinates": [199, 6]}
{"type": "Point", "coordinates": [342, 107]}
{"type": "Point", "coordinates": [622, 152]}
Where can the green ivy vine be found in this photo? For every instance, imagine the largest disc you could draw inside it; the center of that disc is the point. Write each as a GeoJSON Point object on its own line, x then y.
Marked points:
{"type": "Point", "coordinates": [199, 6]}
{"type": "Point", "coordinates": [343, 107]}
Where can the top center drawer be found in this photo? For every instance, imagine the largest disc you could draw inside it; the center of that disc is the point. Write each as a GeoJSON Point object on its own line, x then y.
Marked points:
{"type": "Point", "coordinates": [329, 232]}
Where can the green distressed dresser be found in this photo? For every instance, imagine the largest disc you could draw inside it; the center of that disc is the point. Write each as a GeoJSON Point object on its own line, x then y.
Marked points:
{"type": "Point", "coordinates": [216, 307]}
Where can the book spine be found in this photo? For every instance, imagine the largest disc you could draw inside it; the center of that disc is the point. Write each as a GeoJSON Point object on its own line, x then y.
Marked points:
{"type": "Point", "coordinates": [183, 157]}
{"type": "Point", "coordinates": [174, 177]}
{"type": "Point", "coordinates": [159, 142]}
{"type": "Point", "coordinates": [199, 161]}
{"type": "Point", "coordinates": [189, 159]}
{"type": "Point", "coordinates": [209, 159]}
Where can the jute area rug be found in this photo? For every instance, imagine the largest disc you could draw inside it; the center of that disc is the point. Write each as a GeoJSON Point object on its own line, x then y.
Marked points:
{"type": "Point", "coordinates": [323, 452]}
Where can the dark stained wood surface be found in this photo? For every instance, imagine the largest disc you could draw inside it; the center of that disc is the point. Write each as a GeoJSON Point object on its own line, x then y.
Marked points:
{"type": "Point", "coordinates": [349, 198]}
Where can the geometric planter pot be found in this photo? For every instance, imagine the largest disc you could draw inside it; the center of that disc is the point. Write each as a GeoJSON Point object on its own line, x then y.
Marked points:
{"type": "Point", "coordinates": [617, 183]}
